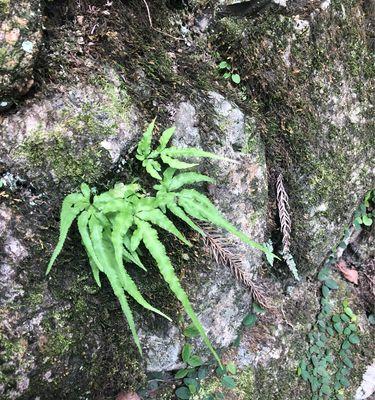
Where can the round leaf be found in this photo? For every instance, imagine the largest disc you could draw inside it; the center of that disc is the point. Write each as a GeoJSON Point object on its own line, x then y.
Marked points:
{"type": "Point", "coordinates": [353, 338]}
{"type": "Point", "coordinates": [195, 361]}
{"type": "Point", "coordinates": [228, 382]}
{"type": "Point", "coordinates": [236, 78]}
{"type": "Point", "coordinates": [183, 393]}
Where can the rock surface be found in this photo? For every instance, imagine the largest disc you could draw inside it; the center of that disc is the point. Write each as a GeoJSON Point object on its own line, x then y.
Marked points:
{"type": "Point", "coordinates": [20, 39]}
{"type": "Point", "coordinates": [302, 108]}
{"type": "Point", "coordinates": [318, 125]}
{"type": "Point", "coordinates": [70, 134]}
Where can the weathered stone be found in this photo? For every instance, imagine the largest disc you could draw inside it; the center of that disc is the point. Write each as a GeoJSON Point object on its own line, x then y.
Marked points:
{"type": "Point", "coordinates": [70, 135]}
{"type": "Point", "coordinates": [306, 91]}
{"type": "Point", "coordinates": [367, 387]}
{"type": "Point", "coordinates": [20, 38]}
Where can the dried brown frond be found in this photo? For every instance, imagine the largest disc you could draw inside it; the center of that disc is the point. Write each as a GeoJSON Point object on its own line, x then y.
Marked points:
{"type": "Point", "coordinates": [283, 206]}
{"type": "Point", "coordinates": [223, 252]}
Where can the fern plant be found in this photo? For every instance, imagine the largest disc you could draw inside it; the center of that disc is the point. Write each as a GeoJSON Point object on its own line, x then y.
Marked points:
{"type": "Point", "coordinates": [113, 224]}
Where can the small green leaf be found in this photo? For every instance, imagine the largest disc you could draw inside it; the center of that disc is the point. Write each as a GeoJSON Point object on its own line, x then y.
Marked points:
{"type": "Point", "coordinates": [325, 291]}
{"type": "Point", "coordinates": [305, 375]}
{"type": "Point", "coordinates": [347, 362]}
{"type": "Point", "coordinates": [338, 327]}
{"type": "Point", "coordinates": [181, 373]}
{"type": "Point", "coordinates": [193, 389]}
{"type": "Point", "coordinates": [228, 382]}
{"type": "Point", "coordinates": [347, 331]}
{"type": "Point", "coordinates": [220, 371]}
{"type": "Point", "coordinates": [366, 220]}
{"type": "Point", "coordinates": [250, 320]}
{"type": "Point", "coordinates": [324, 274]}
{"type": "Point", "coordinates": [354, 339]}
{"type": "Point", "coordinates": [352, 327]}
{"type": "Point", "coordinates": [165, 137]}
{"type": "Point", "coordinates": [330, 331]}
{"type": "Point", "coordinates": [191, 331]}
{"type": "Point", "coordinates": [258, 309]}
{"type": "Point", "coordinates": [344, 382]}
{"type": "Point", "coordinates": [231, 368]}
{"type": "Point", "coordinates": [357, 223]}
{"type": "Point", "coordinates": [332, 284]}
{"type": "Point", "coordinates": [236, 78]}
{"type": "Point", "coordinates": [325, 390]}
{"type": "Point", "coordinates": [227, 75]}
{"type": "Point", "coordinates": [144, 145]}
{"type": "Point", "coordinates": [348, 311]}
{"type": "Point", "coordinates": [183, 393]}
{"type": "Point", "coordinates": [195, 361]}
{"type": "Point", "coordinates": [344, 318]}
{"type": "Point", "coordinates": [202, 372]}
{"type": "Point", "coordinates": [345, 345]}
{"type": "Point", "coordinates": [192, 384]}
{"type": "Point", "coordinates": [186, 353]}
{"type": "Point", "coordinates": [224, 65]}
{"type": "Point", "coordinates": [336, 318]}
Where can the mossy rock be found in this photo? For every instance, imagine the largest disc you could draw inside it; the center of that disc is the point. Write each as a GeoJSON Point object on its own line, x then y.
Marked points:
{"type": "Point", "coordinates": [72, 136]}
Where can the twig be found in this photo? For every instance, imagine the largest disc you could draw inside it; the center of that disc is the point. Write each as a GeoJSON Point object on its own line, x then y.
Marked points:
{"type": "Point", "coordinates": [152, 26]}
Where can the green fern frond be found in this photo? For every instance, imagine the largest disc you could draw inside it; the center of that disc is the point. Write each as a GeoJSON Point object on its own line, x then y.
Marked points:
{"type": "Point", "coordinates": [132, 257]}
{"type": "Point", "coordinates": [179, 212]}
{"type": "Point", "coordinates": [187, 178]}
{"type": "Point", "coordinates": [152, 167]}
{"type": "Point", "coordinates": [85, 189]}
{"type": "Point", "coordinates": [165, 138]}
{"type": "Point", "coordinates": [190, 199]}
{"type": "Point", "coordinates": [177, 164]}
{"type": "Point", "coordinates": [95, 271]}
{"type": "Point", "coordinates": [117, 221]}
{"type": "Point", "coordinates": [119, 293]}
{"type": "Point", "coordinates": [157, 250]}
{"type": "Point", "coordinates": [72, 205]}
{"type": "Point", "coordinates": [82, 223]}
{"type": "Point", "coordinates": [121, 223]}
{"type": "Point", "coordinates": [192, 152]}
{"type": "Point", "coordinates": [158, 218]}
{"type": "Point", "coordinates": [136, 239]}
{"type": "Point", "coordinates": [144, 145]}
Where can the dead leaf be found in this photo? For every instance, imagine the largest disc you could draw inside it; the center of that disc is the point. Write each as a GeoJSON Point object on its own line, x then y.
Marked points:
{"type": "Point", "coordinates": [349, 274]}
